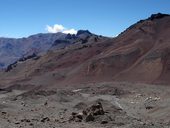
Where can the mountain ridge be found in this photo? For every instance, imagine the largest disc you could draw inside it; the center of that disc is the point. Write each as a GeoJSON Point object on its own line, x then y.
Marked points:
{"type": "Point", "coordinates": [13, 49]}
{"type": "Point", "coordinates": [139, 54]}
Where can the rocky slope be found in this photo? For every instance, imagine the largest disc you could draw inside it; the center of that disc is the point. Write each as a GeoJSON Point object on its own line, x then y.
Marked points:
{"type": "Point", "coordinates": [139, 54]}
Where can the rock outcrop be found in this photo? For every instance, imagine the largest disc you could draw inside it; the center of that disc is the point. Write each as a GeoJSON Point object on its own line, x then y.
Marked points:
{"type": "Point", "coordinates": [88, 114]}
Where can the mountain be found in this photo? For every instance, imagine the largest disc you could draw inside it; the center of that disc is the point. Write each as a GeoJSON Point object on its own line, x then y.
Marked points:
{"type": "Point", "coordinates": [13, 49]}
{"type": "Point", "coordinates": [139, 54]}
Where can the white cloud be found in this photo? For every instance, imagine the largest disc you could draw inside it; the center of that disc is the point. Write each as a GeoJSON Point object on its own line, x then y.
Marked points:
{"type": "Point", "coordinates": [70, 31]}
{"type": "Point", "coordinates": [60, 28]}
{"type": "Point", "coordinates": [54, 29]}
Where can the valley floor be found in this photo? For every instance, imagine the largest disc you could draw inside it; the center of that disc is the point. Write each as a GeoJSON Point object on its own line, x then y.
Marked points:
{"type": "Point", "coordinates": [125, 105]}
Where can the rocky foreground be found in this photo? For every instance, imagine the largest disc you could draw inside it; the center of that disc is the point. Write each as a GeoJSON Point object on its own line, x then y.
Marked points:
{"type": "Point", "coordinates": [100, 105]}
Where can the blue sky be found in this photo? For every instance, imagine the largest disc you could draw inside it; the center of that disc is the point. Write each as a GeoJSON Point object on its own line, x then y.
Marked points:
{"type": "Point", "coordinates": [20, 18]}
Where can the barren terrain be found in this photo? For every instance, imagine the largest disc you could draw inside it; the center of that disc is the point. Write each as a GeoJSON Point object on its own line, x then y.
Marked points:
{"type": "Point", "coordinates": [125, 105]}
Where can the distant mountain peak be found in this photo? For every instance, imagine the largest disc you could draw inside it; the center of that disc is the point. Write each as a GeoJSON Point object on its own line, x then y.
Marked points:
{"type": "Point", "coordinates": [80, 32]}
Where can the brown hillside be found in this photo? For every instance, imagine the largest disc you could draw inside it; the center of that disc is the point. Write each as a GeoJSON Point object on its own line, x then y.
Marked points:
{"type": "Point", "coordinates": [139, 54]}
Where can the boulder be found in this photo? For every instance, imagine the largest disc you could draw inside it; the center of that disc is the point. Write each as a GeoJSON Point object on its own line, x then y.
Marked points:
{"type": "Point", "coordinates": [96, 109]}
{"type": "Point", "coordinates": [88, 114]}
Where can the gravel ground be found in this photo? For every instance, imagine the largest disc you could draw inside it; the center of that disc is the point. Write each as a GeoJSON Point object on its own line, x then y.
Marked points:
{"type": "Point", "coordinates": [125, 105]}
